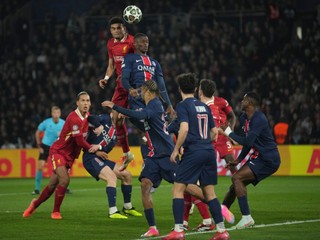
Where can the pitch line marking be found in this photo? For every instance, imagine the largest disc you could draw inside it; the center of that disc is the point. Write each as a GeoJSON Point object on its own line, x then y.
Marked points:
{"type": "Point", "coordinates": [255, 226]}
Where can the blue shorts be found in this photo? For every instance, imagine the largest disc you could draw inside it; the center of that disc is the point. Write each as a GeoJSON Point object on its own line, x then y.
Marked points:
{"type": "Point", "coordinates": [93, 164]}
{"type": "Point", "coordinates": [157, 169]}
{"type": "Point", "coordinates": [262, 169]}
{"type": "Point", "coordinates": [197, 165]}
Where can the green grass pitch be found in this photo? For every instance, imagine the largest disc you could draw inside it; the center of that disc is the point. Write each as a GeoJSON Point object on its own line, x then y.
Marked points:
{"type": "Point", "coordinates": [283, 208]}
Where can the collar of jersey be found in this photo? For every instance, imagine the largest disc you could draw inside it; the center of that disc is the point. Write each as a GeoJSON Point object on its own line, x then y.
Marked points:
{"type": "Point", "coordinates": [123, 39]}
{"type": "Point", "coordinates": [79, 114]}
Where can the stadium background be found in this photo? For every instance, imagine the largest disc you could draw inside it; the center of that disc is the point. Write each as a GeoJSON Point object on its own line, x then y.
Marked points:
{"type": "Point", "coordinates": [51, 50]}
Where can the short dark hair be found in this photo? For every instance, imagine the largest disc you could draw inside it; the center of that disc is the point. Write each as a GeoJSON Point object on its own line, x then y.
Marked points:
{"type": "Point", "coordinates": [187, 82]}
{"type": "Point", "coordinates": [208, 87]}
{"type": "Point", "coordinates": [254, 98]}
{"type": "Point", "coordinates": [139, 35]}
{"type": "Point", "coordinates": [114, 20]}
{"type": "Point", "coordinates": [82, 93]}
{"type": "Point", "coordinates": [152, 86]}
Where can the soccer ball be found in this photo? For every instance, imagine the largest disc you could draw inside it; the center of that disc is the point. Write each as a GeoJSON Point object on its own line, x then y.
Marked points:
{"type": "Point", "coordinates": [132, 14]}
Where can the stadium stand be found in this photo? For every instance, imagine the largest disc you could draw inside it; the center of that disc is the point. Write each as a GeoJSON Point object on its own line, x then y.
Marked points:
{"type": "Point", "coordinates": [47, 58]}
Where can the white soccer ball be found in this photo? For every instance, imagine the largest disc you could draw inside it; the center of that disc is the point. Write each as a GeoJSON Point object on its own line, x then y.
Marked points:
{"type": "Point", "coordinates": [132, 14]}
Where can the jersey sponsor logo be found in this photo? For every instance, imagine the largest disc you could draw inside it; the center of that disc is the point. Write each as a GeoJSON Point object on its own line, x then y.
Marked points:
{"type": "Point", "coordinates": [76, 132]}
{"type": "Point", "coordinates": [147, 69]}
{"type": "Point", "coordinates": [108, 136]}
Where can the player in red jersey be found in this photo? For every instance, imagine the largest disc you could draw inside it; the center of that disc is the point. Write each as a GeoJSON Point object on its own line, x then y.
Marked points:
{"type": "Point", "coordinates": [62, 154]}
{"type": "Point", "coordinates": [223, 115]}
{"type": "Point", "coordinates": [118, 46]}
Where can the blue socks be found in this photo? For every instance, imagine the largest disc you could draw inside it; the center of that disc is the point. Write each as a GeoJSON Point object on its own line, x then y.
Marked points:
{"type": "Point", "coordinates": [38, 180]}
{"type": "Point", "coordinates": [126, 191]}
{"type": "Point", "coordinates": [150, 216]}
{"type": "Point", "coordinates": [215, 210]}
{"type": "Point", "coordinates": [112, 194]}
{"type": "Point", "coordinates": [244, 205]}
{"type": "Point", "coordinates": [177, 208]}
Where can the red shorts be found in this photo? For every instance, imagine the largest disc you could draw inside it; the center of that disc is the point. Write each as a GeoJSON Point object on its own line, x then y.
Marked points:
{"type": "Point", "coordinates": [120, 96]}
{"type": "Point", "coordinates": [223, 146]}
{"type": "Point", "coordinates": [59, 160]}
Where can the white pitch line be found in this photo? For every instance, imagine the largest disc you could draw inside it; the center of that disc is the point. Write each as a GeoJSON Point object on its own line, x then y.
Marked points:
{"type": "Point", "coordinates": [255, 226]}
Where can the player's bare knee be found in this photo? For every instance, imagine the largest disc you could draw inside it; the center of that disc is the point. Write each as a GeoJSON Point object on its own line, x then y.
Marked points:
{"type": "Point", "coordinates": [64, 182]}
{"type": "Point", "coordinates": [126, 177]}
{"type": "Point", "coordinates": [146, 185]}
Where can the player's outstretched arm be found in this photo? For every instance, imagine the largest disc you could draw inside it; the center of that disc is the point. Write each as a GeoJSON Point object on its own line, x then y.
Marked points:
{"type": "Point", "coordinates": [110, 70]}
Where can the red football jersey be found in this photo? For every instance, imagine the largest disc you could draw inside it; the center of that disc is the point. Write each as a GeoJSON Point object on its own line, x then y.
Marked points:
{"type": "Point", "coordinates": [75, 125]}
{"type": "Point", "coordinates": [220, 108]}
{"type": "Point", "coordinates": [118, 49]}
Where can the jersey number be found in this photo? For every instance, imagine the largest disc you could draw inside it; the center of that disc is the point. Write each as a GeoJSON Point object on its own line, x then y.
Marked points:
{"type": "Point", "coordinates": [203, 125]}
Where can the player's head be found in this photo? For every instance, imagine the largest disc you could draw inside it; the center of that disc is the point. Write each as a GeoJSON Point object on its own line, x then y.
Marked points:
{"type": "Point", "coordinates": [141, 43]}
{"type": "Point", "coordinates": [250, 99]}
{"type": "Point", "coordinates": [149, 90]}
{"type": "Point", "coordinates": [83, 102]}
{"type": "Point", "coordinates": [55, 113]}
{"type": "Point", "coordinates": [187, 83]}
{"type": "Point", "coordinates": [206, 88]}
{"type": "Point", "coordinates": [117, 28]}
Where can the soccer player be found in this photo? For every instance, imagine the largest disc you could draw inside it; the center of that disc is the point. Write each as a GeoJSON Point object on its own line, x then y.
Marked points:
{"type": "Point", "coordinates": [51, 127]}
{"type": "Point", "coordinates": [137, 68]}
{"type": "Point", "coordinates": [100, 167]}
{"type": "Point", "coordinates": [206, 224]}
{"type": "Point", "coordinates": [62, 154]}
{"type": "Point", "coordinates": [196, 132]}
{"type": "Point", "coordinates": [118, 46]}
{"type": "Point", "coordinates": [223, 115]}
{"type": "Point", "coordinates": [263, 162]}
{"type": "Point", "coordinates": [157, 165]}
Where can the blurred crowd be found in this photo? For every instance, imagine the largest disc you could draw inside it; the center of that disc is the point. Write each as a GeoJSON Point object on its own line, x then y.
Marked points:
{"type": "Point", "coordinates": [264, 53]}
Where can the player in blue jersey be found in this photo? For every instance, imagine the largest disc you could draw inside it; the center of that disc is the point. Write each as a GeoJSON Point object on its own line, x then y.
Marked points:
{"type": "Point", "coordinates": [137, 68]}
{"type": "Point", "coordinates": [263, 162]}
{"type": "Point", "coordinates": [196, 132]}
{"type": "Point", "coordinates": [157, 165]}
{"type": "Point", "coordinates": [100, 167]}
{"type": "Point", "coordinates": [51, 127]}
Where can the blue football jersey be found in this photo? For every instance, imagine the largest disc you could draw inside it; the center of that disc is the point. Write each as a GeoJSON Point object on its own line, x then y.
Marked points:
{"type": "Point", "coordinates": [258, 136]}
{"type": "Point", "coordinates": [51, 130]}
{"type": "Point", "coordinates": [136, 69]}
{"type": "Point", "coordinates": [159, 141]}
{"type": "Point", "coordinates": [107, 139]}
{"type": "Point", "coordinates": [200, 122]}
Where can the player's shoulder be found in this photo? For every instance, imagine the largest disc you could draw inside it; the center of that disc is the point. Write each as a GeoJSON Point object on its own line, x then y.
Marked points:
{"type": "Point", "coordinates": [221, 100]}
{"type": "Point", "coordinates": [260, 116]}
{"type": "Point", "coordinates": [130, 38]}
{"type": "Point", "coordinates": [110, 42]}
{"type": "Point", "coordinates": [73, 116]}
